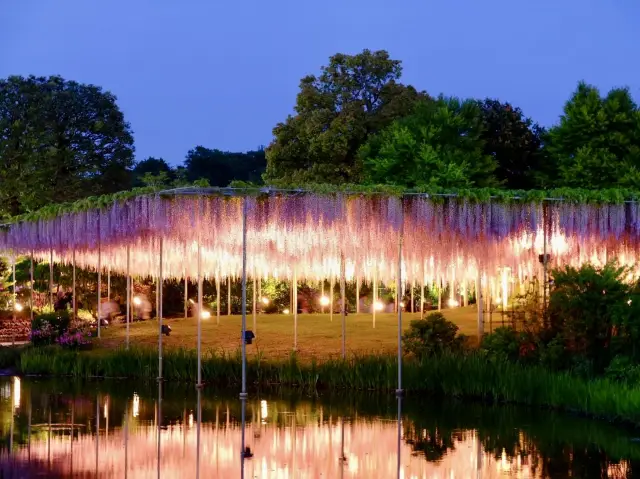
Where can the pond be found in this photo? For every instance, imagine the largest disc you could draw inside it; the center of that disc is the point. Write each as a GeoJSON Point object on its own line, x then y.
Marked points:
{"type": "Point", "coordinates": [62, 428]}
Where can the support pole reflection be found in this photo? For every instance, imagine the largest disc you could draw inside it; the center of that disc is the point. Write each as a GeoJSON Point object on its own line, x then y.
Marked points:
{"type": "Point", "coordinates": [159, 423]}
{"type": "Point", "coordinates": [399, 435]}
{"type": "Point", "coordinates": [198, 427]}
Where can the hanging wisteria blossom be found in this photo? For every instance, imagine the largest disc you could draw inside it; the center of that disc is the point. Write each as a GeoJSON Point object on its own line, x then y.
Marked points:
{"type": "Point", "coordinates": [442, 238]}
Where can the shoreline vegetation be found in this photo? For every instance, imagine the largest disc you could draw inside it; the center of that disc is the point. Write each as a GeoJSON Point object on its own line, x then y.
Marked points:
{"type": "Point", "coordinates": [460, 375]}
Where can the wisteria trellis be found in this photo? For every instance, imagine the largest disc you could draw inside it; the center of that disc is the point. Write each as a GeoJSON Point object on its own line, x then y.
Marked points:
{"type": "Point", "coordinates": [443, 239]}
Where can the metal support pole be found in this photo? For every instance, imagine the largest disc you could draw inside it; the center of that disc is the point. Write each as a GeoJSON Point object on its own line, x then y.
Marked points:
{"type": "Point", "coordinates": [255, 301]}
{"type": "Point", "coordinates": [186, 296]}
{"type": "Point", "coordinates": [544, 256]}
{"type": "Point", "coordinates": [73, 287]}
{"type": "Point", "coordinates": [399, 288]}
{"type": "Point", "coordinates": [332, 287]}
{"type": "Point", "coordinates": [422, 299]}
{"type": "Point", "coordinates": [31, 304]}
{"type": "Point", "coordinates": [259, 294]}
{"type": "Point", "coordinates": [294, 301]}
{"type": "Point", "coordinates": [440, 295]}
{"type": "Point", "coordinates": [15, 295]}
{"type": "Point", "coordinates": [109, 283]}
{"type": "Point", "coordinates": [374, 306]}
{"type": "Point", "coordinates": [217, 298]}
{"type": "Point", "coordinates": [199, 383]}
{"type": "Point", "coordinates": [128, 278]}
{"type": "Point", "coordinates": [343, 306]}
{"type": "Point", "coordinates": [480, 306]}
{"type": "Point", "coordinates": [98, 310]}
{"type": "Point", "coordinates": [243, 393]}
{"type": "Point", "coordinates": [160, 284]}
{"type": "Point", "coordinates": [357, 295]}
{"type": "Point", "coordinates": [51, 302]}
{"type": "Point", "coordinates": [228, 295]}
{"type": "Point", "coordinates": [413, 285]}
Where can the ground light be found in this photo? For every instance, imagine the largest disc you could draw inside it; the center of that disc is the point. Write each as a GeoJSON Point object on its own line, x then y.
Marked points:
{"type": "Point", "coordinates": [324, 301]}
{"type": "Point", "coordinates": [285, 311]}
{"type": "Point", "coordinates": [18, 307]}
{"type": "Point", "coordinates": [379, 306]}
{"type": "Point", "coordinates": [453, 303]}
{"type": "Point", "coordinates": [265, 301]}
{"type": "Point", "coordinates": [137, 301]}
{"type": "Point", "coordinates": [205, 315]}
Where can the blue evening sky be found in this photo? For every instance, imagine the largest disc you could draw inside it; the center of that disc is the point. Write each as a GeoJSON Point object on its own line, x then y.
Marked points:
{"type": "Point", "coordinates": [222, 73]}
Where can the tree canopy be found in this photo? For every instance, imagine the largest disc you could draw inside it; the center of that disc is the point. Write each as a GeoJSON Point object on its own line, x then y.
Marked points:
{"type": "Point", "coordinates": [515, 143]}
{"type": "Point", "coordinates": [439, 145]}
{"type": "Point", "coordinates": [597, 142]}
{"type": "Point", "coordinates": [59, 141]}
{"type": "Point", "coordinates": [220, 168]}
{"type": "Point", "coordinates": [354, 96]}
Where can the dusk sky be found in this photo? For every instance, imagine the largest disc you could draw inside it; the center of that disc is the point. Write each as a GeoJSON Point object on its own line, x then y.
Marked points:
{"type": "Point", "coordinates": [222, 73]}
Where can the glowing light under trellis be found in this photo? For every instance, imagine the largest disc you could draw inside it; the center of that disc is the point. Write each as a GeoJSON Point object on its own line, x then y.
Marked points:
{"type": "Point", "coordinates": [448, 240]}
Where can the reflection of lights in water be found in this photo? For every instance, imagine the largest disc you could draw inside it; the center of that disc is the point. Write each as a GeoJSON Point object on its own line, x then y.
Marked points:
{"type": "Point", "coordinates": [136, 405]}
{"type": "Point", "coordinates": [264, 411]}
{"type": "Point", "coordinates": [16, 392]}
{"type": "Point", "coordinates": [190, 419]}
{"type": "Point", "coordinates": [379, 306]}
{"type": "Point", "coordinates": [324, 301]}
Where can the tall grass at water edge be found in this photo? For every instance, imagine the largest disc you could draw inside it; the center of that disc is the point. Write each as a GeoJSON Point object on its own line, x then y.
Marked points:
{"type": "Point", "coordinates": [456, 375]}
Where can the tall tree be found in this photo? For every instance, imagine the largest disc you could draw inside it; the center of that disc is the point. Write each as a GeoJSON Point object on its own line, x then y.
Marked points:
{"type": "Point", "coordinates": [597, 143]}
{"type": "Point", "coordinates": [439, 145]}
{"type": "Point", "coordinates": [221, 168]}
{"type": "Point", "coordinates": [59, 141]}
{"type": "Point", "coordinates": [156, 167]}
{"type": "Point", "coordinates": [515, 143]}
{"type": "Point", "coordinates": [354, 96]}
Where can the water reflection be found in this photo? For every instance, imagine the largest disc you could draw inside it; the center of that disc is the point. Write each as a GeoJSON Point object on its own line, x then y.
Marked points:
{"type": "Point", "coordinates": [121, 430]}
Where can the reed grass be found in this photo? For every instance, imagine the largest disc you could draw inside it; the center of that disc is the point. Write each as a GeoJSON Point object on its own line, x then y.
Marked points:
{"type": "Point", "coordinates": [454, 375]}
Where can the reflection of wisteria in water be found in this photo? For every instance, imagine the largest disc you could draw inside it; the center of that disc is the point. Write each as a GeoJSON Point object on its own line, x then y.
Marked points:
{"type": "Point", "coordinates": [287, 441]}
{"type": "Point", "coordinates": [370, 449]}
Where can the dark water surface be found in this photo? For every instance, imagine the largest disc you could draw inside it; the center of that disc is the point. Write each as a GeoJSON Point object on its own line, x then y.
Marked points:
{"type": "Point", "coordinates": [49, 430]}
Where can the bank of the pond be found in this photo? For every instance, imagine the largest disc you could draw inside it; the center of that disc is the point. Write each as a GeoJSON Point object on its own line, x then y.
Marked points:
{"type": "Point", "coordinates": [467, 376]}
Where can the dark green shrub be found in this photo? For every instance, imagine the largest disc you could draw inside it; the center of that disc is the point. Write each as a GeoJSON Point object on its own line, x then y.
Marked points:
{"type": "Point", "coordinates": [502, 345]}
{"type": "Point", "coordinates": [622, 369]}
{"type": "Point", "coordinates": [432, 335]}
{"type": "Point", "coordinates": [552, 354]}
{"type": "Point", "coordinates": [593, 309]}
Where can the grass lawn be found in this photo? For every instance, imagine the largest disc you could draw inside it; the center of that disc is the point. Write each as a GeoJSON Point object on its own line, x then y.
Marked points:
{"type": "Point", "coordinates": [318, 337]}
